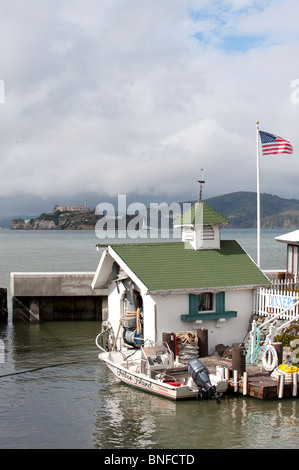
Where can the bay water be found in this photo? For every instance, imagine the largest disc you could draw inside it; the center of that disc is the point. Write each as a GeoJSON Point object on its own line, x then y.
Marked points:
{"type": "Point", "coordinates": [56, 394]}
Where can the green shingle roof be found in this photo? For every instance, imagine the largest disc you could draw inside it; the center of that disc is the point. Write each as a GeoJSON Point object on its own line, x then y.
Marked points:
{"type": "Point", "coordinates": [173, 266]}
{"type": "Point", "coordinates": [200, 213]}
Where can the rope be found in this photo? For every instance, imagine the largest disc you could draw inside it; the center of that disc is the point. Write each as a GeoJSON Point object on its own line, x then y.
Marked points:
{"type": "Point", "coordinates": [187, 346]}
{"type": "Point", "coordinates": [119, 325]}
{"type": "Point", "coordinates": [290, 373]}
{"type": "Point", "coordinates": [48, 367]}
{"type": "Point", "coordinates": [252, 353]}
{"type": "Point", "coordinates": [138, 321]}
{"type": "Point", "coordinates": [187, 337]}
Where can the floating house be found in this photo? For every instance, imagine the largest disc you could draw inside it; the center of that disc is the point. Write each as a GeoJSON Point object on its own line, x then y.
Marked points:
{"type": "Point", "coordinates": [198, 282]}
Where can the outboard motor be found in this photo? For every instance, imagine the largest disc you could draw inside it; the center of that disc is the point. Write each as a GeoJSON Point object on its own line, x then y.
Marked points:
{"type": "Point", "coordinates": [200, 375]}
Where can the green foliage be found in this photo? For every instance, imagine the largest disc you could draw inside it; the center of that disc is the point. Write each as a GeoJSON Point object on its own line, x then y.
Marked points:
{"type": "Point", "coordinates": [286, 336]}
{"type": "Point", "coordinates": [283, 338]}
{"type": "Point", "coordinates": [240, 209]}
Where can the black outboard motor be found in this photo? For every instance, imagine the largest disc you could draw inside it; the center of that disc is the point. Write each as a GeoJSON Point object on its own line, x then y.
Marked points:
{"type": "Point", "coordinates": [200, 375]}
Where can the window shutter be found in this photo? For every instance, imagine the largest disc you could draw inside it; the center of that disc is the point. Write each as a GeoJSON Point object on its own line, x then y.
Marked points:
{"type": "Point", "coordinates": [193, 304]}
{"type": "Point", "coordinates": [220, 302]}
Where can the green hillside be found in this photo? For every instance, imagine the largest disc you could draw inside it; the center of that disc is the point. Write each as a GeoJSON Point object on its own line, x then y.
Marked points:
{"type": "Point", "coordinates": [240, 208]}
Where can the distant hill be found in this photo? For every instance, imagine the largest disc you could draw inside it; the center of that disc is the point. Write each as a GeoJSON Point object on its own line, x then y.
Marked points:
{"type": "Point", "coordinates": [240, 208]}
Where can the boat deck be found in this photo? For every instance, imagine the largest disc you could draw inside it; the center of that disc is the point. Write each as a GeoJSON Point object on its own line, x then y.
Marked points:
{"type": "Point", "coordinates": [260, 384]}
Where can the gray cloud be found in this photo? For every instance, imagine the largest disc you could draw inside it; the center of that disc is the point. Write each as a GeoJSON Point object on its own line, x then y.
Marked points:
{"type": "Point", "coordinates": [134, 97]}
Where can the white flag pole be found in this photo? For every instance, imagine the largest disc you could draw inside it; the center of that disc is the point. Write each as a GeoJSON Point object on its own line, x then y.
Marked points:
{"type": "Point", "coordinates": [258, 221]}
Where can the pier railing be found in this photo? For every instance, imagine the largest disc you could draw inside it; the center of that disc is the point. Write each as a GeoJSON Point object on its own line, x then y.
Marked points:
{"type": "Point", "coordinates": [279, 301]}
{"type": "Point", "coordinates": [286, 284]}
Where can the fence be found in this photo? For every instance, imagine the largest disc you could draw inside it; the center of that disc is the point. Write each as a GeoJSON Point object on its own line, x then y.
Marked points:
{"type": "Point", "coordinates": [278, 300]}
{"type": "Point", "coordinates": [286, 284]}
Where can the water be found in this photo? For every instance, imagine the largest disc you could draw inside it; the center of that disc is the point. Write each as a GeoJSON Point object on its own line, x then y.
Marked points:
{"type": "Point", "coordinates": [56, 394]}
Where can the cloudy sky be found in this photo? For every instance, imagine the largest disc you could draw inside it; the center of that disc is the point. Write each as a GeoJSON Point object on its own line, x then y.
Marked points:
{"type": "Point", "coordinates": [108, 97]}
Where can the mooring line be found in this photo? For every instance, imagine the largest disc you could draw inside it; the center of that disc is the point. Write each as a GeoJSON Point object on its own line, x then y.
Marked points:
{"type": "Point", "coordinates": [46, 367]}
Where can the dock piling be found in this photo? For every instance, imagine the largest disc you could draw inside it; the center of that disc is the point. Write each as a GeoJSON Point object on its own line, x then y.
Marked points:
{"type": "Point", "coordinates": [280, 386]}
{"type": "Point", "coordinates": [3, 305]}
{"type": "Point", "coordinates": [279, 350]}
{"type": "Point", "coordinates": [202, 335]}
{"type": "Point", "coordinates": [245, 383]}
{"type": "Point", "coordinates": [238, 360]}
{"type": "Point", "coordinates": [294, 383]}
{"type": "Point", "coordinates": [235, 380]}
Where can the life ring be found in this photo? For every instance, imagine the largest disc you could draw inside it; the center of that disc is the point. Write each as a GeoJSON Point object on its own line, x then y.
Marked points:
{"type": "Point", "coordinates": [269, 358]}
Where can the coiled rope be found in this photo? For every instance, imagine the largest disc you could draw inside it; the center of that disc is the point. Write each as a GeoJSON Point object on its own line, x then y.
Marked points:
{"type": "Point", "coordinates": [290, 373]}
{"type": "Point", "coordinates": [187, 337]}
{"type": "Point", "coordinates": [187, 344]}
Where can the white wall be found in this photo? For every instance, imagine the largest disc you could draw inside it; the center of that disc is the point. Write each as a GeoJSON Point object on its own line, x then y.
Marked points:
{"type": "Point", "coordinates": [163, 314]}
{"type": "Point", "coordinates": [150, 318]}
{"type": "Point", "coordinates": [228, 332]}
{"type": "Point", "coordinates": [169, 309]}
{"type": "Point", "coordinates": [115, 305]}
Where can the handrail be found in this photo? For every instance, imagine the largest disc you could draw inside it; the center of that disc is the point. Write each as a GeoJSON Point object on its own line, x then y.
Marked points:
{"type": "Point", "coordinates": [96, 340]}
{"type": "Point", "coordinates": [272, 332]}
{"type": "Point", "coordinates": [279, 314]}
{"type": "Point", "coordinates": [254, 342]}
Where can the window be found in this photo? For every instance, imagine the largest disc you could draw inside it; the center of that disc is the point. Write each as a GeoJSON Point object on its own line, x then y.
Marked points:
{"type": "Point", "coordinates": [205, 301]}
{"type": "Point", "coordinates": [207, 306]}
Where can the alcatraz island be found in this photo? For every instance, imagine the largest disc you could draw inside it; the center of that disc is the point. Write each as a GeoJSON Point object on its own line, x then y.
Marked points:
{"type": "Point", "coordinates": [66, 218]}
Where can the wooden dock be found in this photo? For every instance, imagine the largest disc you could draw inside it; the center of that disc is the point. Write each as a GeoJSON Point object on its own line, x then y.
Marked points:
{"type": "Point", "coordinates": [259, 382]}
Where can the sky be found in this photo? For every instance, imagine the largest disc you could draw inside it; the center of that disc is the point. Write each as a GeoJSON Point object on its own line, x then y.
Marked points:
{"type": "Point", "coordinates": [100, 98]}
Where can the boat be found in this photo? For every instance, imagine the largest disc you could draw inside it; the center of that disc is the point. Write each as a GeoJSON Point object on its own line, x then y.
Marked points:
{"type": "Point", "coordinates": [151, 367]}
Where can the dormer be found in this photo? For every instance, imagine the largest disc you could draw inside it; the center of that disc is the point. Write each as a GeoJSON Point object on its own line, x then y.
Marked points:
{"type": "Point", "coordinates": [201, 226]}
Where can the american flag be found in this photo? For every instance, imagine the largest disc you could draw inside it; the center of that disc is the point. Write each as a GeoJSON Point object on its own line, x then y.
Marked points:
{"type": "Point", "coordinates": [273, 144]}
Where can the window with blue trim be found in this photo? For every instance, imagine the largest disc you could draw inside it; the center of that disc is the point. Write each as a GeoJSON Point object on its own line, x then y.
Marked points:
{"type": "Point", "coordinates": [207, 306]}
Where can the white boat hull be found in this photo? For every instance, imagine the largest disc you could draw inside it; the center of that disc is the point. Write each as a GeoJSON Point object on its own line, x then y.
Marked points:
{"type": "Point", "coordinates": [150, 385]}
{"type": "Point", "coordinates": [185, 388]}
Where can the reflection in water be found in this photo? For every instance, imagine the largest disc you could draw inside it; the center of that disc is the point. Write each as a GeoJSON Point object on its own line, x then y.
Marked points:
{"type": "Point", "coordinates": [61, 396]}
{"type": "Point", "coordinates": [133, 419]}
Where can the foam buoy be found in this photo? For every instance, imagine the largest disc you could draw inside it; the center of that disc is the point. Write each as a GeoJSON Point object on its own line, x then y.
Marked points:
{"type": "Point", "coordinates": [269, 358]}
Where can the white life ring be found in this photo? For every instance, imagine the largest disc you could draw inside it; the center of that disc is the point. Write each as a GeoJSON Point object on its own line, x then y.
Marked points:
{"type": "Point", "coordinates": [269, 358]}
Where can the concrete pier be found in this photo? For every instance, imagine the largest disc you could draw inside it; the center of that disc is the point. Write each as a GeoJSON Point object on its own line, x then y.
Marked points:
{"type": "Point", "coordinates": [56, 296]}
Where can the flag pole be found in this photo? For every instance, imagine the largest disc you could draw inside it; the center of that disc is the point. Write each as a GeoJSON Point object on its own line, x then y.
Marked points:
{"type": "Point", "coordinates": [258, 221]}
